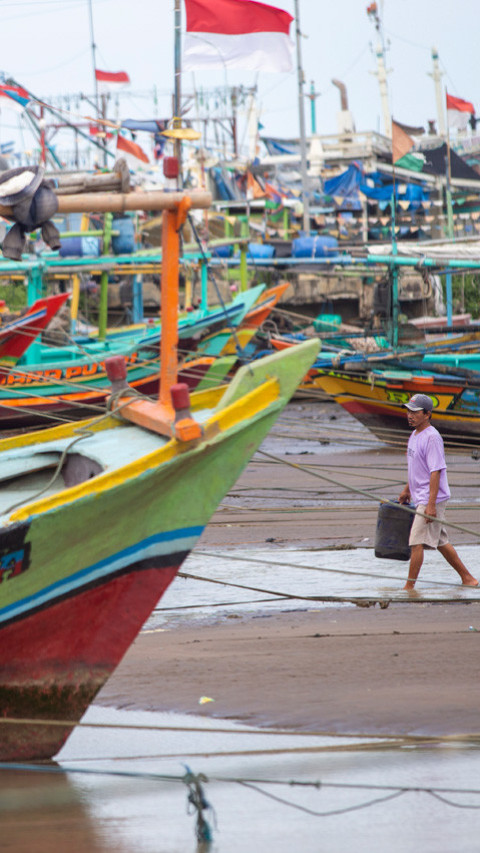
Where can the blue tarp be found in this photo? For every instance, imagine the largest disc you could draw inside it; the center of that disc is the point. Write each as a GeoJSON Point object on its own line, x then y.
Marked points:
{"type": "Point", "coordinates": [149, 125]}
{"type": "Point", "coordinates": [383, 189]}
{"type": "Point", "coordinates": [346, 186]}
{"type": "Point", "coordinates": [281, 146]}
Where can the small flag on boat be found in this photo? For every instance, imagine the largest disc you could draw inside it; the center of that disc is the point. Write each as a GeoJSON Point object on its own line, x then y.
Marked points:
{"type": "Point", "coordinates": [99, 131]}
{"type": "Point", "coordinates": [110, 81]}
{"type": "Point", "coordinates": [237, 34]}
{"type": "Point", "coordinates": [402, 145]}
{"type": "Point", "coordinates": [13, 98]}
{"type": "Point", "coordinates": [131, 151]}
{"type": "Point", "coordinates": [459, 112]}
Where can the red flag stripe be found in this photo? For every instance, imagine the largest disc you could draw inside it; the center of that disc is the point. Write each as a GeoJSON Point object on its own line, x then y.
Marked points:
{"type": "Point", "coordinates": [131, 148]}
{"type": "Point", "coordinates": [111, 76]}
{"type": "Point", "coordinates": [459, 104]}
{"type": "Point", "coordinates": [234, 17]}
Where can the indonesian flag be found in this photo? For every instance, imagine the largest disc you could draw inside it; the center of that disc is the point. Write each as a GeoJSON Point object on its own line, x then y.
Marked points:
{"type": "Point", "coordinates": [13, 98]}
{"type": "Point", "coordinates": [458, 112]}
{"type": "Point", "coordinates": [134, 155]}
{"type": "Point", "coordinates": [99, 132]}
{"type": "Point", "coordinates": [110, 81]}
{"type": "Point", "coordinates": [237, 34]}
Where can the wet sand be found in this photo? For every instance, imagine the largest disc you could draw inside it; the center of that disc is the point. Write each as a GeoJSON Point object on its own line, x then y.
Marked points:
{"type": "Point", "coordinates": [408, 669]}
{"type": "Point", "coordinates": [403, 670]}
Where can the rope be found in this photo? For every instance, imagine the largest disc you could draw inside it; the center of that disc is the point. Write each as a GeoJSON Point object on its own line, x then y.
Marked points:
{"type": "Point", "coordinates": [195, 782]}
{"type": "Point", "coordinates": [363, 492]}
{"type": "Point", "coordinates": [361, 601]}
{"type": "Point", "coordinates": [277, 563]}
{"type": "Point", "coordinates": [331, 813]}
{"type": "Point", "coordinates": [198, 803]}
{"type": "Point", "coordinates": [238, 346]}
{"type": "Point", "coordinates": [82, 433]}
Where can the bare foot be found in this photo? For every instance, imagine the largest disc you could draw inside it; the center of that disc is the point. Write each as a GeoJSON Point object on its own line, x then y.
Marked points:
{"type": "Point", "coordinates": [409, 586]}
{"type": "Point", "coordinates": [470, 581]}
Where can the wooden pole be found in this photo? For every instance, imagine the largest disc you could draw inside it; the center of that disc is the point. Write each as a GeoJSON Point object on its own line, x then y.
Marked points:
{"type": "Point", "coordinates": [120, 202]}
{"type": "Point", "coordinates": [301, 116]}
{"type": "Point", "coordinates": [172, 221]}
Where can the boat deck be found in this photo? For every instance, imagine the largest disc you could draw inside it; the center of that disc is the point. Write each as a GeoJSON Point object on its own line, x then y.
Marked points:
{"type": "Point", "coordinates": [27, 471]}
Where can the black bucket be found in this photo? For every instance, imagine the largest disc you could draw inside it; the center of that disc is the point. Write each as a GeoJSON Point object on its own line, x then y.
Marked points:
{"type": "Point", "coordinates": [393, 531]}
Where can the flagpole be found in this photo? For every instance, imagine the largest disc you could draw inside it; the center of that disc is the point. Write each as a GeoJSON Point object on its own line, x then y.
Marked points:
{"type": "Point", "coordinates": [448, 191]}
{"type": "Point", "coordinates": [94, 61]}
{"type": "Point", "coordinates": [395, 306]}
{"type": "Point", "coordinates": [301, 115]}
{"type": "Point", "coordinates": [450, 228]}
{"type": "Point", "coordinates": [177, 90]}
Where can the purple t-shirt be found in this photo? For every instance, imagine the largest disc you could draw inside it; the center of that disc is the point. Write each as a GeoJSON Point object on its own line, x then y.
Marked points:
{"type": "Point", "coordinates": [426, 454]}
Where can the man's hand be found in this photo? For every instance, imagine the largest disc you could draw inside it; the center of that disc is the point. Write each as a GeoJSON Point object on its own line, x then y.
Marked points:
{"type": "Point", "coordinates": [430, 509]}
{"type": "Point", "coordinates": [404, 496]}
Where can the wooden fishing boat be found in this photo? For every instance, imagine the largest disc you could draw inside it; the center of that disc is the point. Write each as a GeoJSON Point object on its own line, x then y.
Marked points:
{"type": "Point", "coordinates": [68, 381]}
{"type": "Point", "coordinates": [19, 334]}
{"type": "Point", "coordinates": [228, 340]}
{"type": "Point", "coordinates": [39, 398]}
{"type": "Point", "coordinates": [377, 401]}
{"type": "Point", "coordinates": [63, 385]}
{"type": "Point", "coordinates": [96, 518]}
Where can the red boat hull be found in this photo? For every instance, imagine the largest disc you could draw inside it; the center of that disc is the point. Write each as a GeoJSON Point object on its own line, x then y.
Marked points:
{"type": "Point", "coordinates": [81, 642]}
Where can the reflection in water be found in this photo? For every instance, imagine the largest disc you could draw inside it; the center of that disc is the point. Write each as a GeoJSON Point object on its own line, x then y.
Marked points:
{"type": "Point", "coordinates": [41, 812]}
{"type": "Point", "coordinates": [86, 809]}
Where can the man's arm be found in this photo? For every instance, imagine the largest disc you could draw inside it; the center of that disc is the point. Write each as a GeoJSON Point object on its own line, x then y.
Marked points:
{"type": "Point", "coordinates": [430, 509]}
{"type": "Point", "coordinates": [404, 496]}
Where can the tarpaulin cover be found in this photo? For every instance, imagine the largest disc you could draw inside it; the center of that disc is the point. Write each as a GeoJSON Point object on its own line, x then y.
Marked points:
{"type": "Point", "coordinates": [281, 146]}
{"type": "Point", "coordinates": [383, 189]}
{"type": "Point", "coordinates": [225, 185]}
{"type": "Point", "coordinates": [149, 125]}
{"type": "Point", "coordinates": [346, 186]}
{"type": "Point", "coordinates": [436, 164]}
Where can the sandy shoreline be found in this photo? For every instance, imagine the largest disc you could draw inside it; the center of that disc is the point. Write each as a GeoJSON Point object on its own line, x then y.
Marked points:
{"type": "Point", "coordinates": [408, 669]}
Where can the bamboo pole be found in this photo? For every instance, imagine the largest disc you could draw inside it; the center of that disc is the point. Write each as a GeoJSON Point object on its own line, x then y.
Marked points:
{"type": "Point", "coordinates": [119, 203]}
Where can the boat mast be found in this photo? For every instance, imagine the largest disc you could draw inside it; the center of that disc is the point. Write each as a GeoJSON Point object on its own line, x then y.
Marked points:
{"type": "Point", "coordinates": [94, 61]}
{"type": "Point", "coordinates": [177, 121]}
{"type": "Point", "coordinates": [381, 72]}
{"type": "Point", "coordinates": [101, 113]}
{"type": "Point", "coordinates": [301, 115]}
{"type": "Point", "coordinates": [436, 74]}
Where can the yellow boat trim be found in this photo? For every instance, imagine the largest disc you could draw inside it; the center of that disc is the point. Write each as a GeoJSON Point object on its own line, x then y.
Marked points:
{"type": "Point", "coordinates": [247, 407]}
{"type": "Point", "coordinates": [207, 399]}
{"type": "Point", "coordinates": [58, 432]}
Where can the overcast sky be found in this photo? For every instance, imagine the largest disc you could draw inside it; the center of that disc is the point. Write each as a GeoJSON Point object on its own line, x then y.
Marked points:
{"type": "Point", "coordinates": [45, 45]}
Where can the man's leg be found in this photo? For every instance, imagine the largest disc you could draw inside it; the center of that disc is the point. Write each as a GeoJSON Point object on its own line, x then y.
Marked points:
{"type": "Point", "coordinates": [451, 556]}
{"type": "Point", "coordinates": [416, 560]}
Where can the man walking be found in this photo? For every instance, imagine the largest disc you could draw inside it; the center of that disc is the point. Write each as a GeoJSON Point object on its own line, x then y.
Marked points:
{"type": "Point", "coordinates": [428, 490]}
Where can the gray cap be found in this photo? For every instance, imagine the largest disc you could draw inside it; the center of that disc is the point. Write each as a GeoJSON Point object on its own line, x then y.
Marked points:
{"type": "Point", "coordinates": [419, 402]}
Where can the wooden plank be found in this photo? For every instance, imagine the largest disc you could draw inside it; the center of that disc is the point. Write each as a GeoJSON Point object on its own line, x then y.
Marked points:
{"type": "Point", "coordinates": [120, 202]}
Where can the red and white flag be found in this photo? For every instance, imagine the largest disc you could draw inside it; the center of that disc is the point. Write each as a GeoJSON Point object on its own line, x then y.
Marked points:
{"type": "Point", "coordinates": [458, 112]}
{"type": "Point", "coordinates": [237, 34]}
{"type": "Point", "coordinates": [134, 155]}
{"type": "Point", "coordinates": [110, 81]}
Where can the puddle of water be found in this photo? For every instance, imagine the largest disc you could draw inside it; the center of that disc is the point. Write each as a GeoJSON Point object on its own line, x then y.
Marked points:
{"type": "Point", "coordinates": [136, 814]}
{"type": "Point", "coordinates": [340, 574]}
